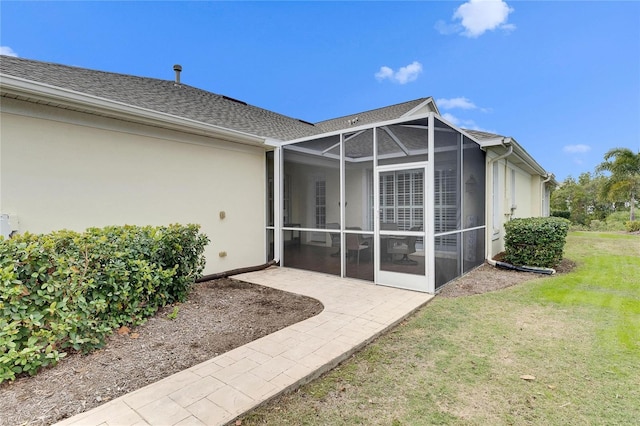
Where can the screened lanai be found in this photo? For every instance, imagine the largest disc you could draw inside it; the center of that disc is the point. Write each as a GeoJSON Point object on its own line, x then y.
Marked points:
{"type": "Point", "coordinates": [398, 203]}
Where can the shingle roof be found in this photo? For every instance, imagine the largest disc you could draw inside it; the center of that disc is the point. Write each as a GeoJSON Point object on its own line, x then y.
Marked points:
{"type": "Point", "coordinates": [162, 96]}
{"type": "Point", "coordinates": [482, 135]}
{"type": "Point", "coordinates": [189, 102]}
{"type": "Point", "coordinates": [369, 117]}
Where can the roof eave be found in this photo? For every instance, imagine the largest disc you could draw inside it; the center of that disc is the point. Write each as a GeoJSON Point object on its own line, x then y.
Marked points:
{"type": "Point", "coordinates": [518, 151]}
{"type": "Point", "coordinates": [40, 92]}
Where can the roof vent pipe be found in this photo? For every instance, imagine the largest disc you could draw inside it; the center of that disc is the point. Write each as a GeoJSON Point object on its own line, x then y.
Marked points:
{"type": "Point", "coordinates": [177, 68]}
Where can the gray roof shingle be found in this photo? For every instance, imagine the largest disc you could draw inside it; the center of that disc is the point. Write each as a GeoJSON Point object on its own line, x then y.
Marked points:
{"type": "Point", "coordinates": [189, 102]}
{"type": "Point", "coordinates": [369, 117]}
{"type": "Point", "coordinates": [163, 96]}
{"type": "Point", "coordinates": [480, 135]}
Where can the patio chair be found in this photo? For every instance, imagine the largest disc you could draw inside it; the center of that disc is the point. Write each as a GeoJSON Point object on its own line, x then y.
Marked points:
{"type": "Point", "coordinates": [335, 237]}
{"type": "Point", "coordinates": [355, 243]}
{"type": "Point", "coordinates": [404, 246]}
{"type": "Point", "coordinates": [386, 226]}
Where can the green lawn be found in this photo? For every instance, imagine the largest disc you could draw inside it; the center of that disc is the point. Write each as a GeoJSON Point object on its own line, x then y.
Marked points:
{"type": "Point", "coordinates": [460, 361]}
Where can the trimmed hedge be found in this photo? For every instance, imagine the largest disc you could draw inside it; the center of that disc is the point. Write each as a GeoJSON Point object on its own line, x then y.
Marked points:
{"type": "Point", "coordinates": [68, 290]}
{"type": "Point", "coordinates": [561, 213]}
{"type": "Point", "coordinates": [535, 241]}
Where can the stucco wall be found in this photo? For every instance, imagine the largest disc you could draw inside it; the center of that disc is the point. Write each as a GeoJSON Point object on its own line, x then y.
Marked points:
{"type": "Point", "coordinates": [64, 169]}
{"type": "Point", "coordinates": [516, 188]}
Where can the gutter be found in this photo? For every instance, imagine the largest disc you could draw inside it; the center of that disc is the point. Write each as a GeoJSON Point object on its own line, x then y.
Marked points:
{"type": "Point", "coordinates": [82, 102]}
{"type": "Point", "coordinates": [506, 142]}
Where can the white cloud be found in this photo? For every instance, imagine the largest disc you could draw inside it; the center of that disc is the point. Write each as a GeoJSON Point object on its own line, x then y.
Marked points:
{"type": "Point", "coordinates": [403, 75]}
{"type": "Point", "coordinates": [7, 51]}
{"type": "Point", "coordinates": [478, 16]}
{"type": "Point", "coordinates": [464, 124]}
{"type": "Point", "coordinates": [452, 103]}
{"type": "Point", "coordinates": [447, 29]}
{"type": "Point", "coordinates": [385, 72]}
{"type": "Point", "coordinates": [576, 149]}
{"type": "Point", "coordinates": [451, 118]}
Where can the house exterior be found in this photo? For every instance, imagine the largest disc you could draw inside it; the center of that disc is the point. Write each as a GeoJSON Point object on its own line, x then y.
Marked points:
{"type": "Point", "coordinates": [396, 196]}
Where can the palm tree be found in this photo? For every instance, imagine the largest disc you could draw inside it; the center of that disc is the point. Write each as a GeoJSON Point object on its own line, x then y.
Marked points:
{"type": "Point", "coordinates": [624, 182]}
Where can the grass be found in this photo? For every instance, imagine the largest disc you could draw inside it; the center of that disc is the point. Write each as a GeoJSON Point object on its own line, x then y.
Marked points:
{"type": "Point", "coordinates": [460, 361]}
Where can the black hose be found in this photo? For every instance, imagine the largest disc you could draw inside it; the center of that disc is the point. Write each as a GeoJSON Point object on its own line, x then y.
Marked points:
{"type": "Point", "coordinates": [237, 271]}
{"type": "Point", "coordinates": [534, 269]}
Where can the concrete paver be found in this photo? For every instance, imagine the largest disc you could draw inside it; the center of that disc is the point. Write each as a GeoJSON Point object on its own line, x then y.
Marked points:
{"type": "Point", "coordinates": [221, 389]}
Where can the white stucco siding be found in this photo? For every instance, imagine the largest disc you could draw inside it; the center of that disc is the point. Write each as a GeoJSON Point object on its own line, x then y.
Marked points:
{"type": "Point", "coordinates": [524, 197]}
{"type": "Point", "coordinates": [63, 169]}
{"type": "Point", "coordinates": [519, 195]}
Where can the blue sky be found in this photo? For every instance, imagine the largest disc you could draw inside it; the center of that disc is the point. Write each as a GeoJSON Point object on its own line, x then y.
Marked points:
{"type": "Point", "coordinates": [561, 77]}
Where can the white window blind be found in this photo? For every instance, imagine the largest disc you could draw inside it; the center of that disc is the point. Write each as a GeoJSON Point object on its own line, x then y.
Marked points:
{"type": "Point", "coordinates": [402, 198]}
{"type": "Point", "coordinates": [321, 203]}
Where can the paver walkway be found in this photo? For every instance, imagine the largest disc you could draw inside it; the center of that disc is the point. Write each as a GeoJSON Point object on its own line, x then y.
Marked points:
{"type": "Point", "coordinates": [219, 390]}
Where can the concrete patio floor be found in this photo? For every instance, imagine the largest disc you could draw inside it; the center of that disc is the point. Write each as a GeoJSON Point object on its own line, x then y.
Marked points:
{"type": "Point", "coordinates": [223, 388]}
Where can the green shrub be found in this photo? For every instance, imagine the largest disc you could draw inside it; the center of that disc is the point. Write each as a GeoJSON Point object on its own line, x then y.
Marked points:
{"type": "Point", "coordinates": [616, 221]}
{"type": "Point", "coordinates": [566, 214]}
{"type": "Point", "coordinates": [632, 225]}
{"type": "Point", "coordinates": [68, 290]}
{"type": "Point", "coordinates": [535, 241]}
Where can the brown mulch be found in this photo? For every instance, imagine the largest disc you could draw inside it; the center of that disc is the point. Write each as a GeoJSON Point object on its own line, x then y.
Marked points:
{"type": "Point", "coordinates": [219, 315]}
{"type": "Point", "coordinates": [488, 278]}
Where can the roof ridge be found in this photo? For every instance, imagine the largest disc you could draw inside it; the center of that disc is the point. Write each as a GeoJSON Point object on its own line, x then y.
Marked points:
{"type": "Point", "coordinates": [372, 110]}
{"type": "Point", "coordinates": [80, 68]}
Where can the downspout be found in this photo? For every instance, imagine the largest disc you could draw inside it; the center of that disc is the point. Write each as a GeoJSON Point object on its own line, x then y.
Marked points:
{"type": "Point", "coordinates": [506, 143]}
{"type": "Point", "coordinates": [548, 177]}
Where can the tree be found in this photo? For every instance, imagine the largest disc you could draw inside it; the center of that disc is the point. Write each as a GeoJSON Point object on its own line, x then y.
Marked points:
{"type": "Point", "coordinates": [624, 182]}
{"type": "Point", "coordinates": [581, 198]}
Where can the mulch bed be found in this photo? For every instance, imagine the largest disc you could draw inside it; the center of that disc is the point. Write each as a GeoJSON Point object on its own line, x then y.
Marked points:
{"type": "Point", "coordinates": [217, 317]}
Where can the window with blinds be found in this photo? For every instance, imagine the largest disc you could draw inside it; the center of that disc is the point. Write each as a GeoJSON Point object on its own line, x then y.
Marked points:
{"type": "Point", "coordinates": [321, 203]}
{"type": "Point", "coordinates": [402, 198]}
{"type": "Point", "coordinates": [446, 208]}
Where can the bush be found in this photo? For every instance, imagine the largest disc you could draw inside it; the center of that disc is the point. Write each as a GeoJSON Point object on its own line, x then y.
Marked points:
{"type": "Point", "coordinates": [535, 241]}
{"type": "Point", "coordinates": [68, 290]}
{"type": "Point", "coordinates": [616, 221]}
{"type": "Point", "coordinates": [566, 214]}
{"type": "Point", "coordinates": [597, 225]}
{"type": "Point", "coordinates": [632, 226]}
